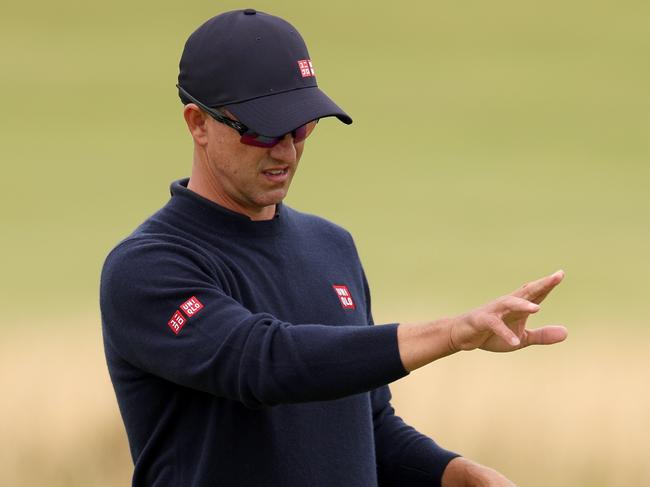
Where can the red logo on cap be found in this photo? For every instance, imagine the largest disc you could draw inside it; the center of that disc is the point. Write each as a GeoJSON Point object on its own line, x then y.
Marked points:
{"type": "Point", "coordinates": [306, 68]}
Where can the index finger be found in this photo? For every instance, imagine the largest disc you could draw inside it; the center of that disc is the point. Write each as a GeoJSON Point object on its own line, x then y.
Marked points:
{"type": "Point", "coordinates": [536, 291]}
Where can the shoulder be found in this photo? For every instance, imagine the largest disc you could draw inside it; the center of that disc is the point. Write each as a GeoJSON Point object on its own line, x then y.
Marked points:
{"type": "Point", "coordinates": [144, 246]}
{"type": "Point", "coordinates": [150, 257]}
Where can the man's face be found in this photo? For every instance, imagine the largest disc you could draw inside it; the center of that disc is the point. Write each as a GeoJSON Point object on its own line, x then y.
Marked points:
{"type": "Point", "coordinates": [247, 177]}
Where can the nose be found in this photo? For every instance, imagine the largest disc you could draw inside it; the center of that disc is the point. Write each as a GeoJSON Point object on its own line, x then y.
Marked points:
{"type": "Point", "coordinates": [285, 150]}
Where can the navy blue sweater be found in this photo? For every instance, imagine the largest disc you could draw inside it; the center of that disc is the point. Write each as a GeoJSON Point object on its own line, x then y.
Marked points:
{"type": "Point", "coordinates": [241, 355]}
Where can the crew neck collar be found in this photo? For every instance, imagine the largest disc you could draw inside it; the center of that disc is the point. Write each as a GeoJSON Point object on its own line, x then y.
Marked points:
{"type": "Point", "coordinates": [214, 217]}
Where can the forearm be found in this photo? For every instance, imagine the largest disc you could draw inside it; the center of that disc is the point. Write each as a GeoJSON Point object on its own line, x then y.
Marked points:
{"type": "Point", "coordinates": [422, 343]}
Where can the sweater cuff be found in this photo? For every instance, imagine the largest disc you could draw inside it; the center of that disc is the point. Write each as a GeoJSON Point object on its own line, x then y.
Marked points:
{"type": "Point", "coordinates": [427, 467]}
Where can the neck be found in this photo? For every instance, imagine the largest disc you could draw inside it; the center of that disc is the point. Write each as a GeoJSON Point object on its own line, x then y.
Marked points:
{"type": "Point", "coordinates": [205, 184]}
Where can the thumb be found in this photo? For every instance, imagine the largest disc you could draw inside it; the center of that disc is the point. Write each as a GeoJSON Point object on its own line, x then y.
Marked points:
{"type": "Point", "coordinates": [547, 335]}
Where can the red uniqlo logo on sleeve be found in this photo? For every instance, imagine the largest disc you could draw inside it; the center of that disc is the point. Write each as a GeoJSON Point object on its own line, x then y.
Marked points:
{"type": "Point", "coordinates": [306, 68]}
{"type": "Point", "coordinates": [344, 296]}
{"type": "Point", "coordinates": [177, 322]}
{"type": "Point", "coordinates": [191, 306]}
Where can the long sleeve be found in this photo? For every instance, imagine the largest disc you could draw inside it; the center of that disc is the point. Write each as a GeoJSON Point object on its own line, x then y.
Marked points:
{"type": "Point", "coordinates": [222, 348]}
{"type": "Point", "coordinates": [405, 457]}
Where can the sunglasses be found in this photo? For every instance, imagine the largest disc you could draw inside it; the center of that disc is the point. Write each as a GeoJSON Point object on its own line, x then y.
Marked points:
{"type": "Point", "coordinates": [249, 137]}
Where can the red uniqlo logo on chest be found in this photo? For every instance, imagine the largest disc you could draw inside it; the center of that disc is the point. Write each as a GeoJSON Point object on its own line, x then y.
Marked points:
{"type": "Point", "coordinates": [191, 306]}
{"type": "Point", "coordinates": [344, 296]}
{"type": "Point", "coordinates": [306, 68]}
{"type": "Point", "coordinates": [177, 322]}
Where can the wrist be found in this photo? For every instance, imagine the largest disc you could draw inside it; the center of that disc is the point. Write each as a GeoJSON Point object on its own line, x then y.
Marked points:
{"type": "Point", "coordinates": [462, 472]}
{"type": "Point", "coordinates": [422, 343]}
{"type": "Point", "coordinates": [455, 474]}
{"type": "Point", "coordinates": [448, 325]}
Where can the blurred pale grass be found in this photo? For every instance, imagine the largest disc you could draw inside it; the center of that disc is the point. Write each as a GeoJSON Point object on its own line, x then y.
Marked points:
{"type": "Point", "coordinates": [576, 414]}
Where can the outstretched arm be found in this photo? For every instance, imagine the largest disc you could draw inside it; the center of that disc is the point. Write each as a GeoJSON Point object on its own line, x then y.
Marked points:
{"type": "Point", "coordinates": [498, 326]}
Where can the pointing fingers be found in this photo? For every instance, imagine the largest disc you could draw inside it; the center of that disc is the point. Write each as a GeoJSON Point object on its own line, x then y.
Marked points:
{"type": "Point", "coordinates": [537, 290]}
{"type": "Point", "coordinates": [500, 329]}
{"type": "Point", "coordinates": [505, 319]}
{"type": "Point", "coordinates": [517, 304]}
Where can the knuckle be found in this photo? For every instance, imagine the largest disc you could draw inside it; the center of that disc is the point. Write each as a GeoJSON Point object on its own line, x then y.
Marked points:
{"type": "Point", "coordinates": [479, 320]}
{"type": "Point", "coordinates": [492, 322]}
{"type": "Point", "coordinates": [512, 302]}
{"type": "Point", "coordinates": [502, 302]}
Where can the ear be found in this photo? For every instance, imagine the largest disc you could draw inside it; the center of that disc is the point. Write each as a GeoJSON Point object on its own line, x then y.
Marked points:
{"type": "Point", "coordinates": [197, 123]}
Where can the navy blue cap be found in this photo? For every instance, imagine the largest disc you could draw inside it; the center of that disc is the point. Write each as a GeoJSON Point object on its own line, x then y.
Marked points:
{"type": "Point", "coordinates": [257, 66]}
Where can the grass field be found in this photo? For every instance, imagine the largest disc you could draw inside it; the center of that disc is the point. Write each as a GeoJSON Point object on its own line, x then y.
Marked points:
{"type": "Point", "coordinates": [493, 143]}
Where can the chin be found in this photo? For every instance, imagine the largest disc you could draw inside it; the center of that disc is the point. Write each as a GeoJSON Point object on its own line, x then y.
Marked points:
{"type": "Point", "coordinates": [272, 198]}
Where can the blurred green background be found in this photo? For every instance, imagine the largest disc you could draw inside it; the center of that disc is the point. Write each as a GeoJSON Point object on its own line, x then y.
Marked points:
{"type": "Point", "coordinates": [493, 142]}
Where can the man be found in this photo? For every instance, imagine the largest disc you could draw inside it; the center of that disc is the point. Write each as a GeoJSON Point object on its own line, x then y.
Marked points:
{"type": "Point", "coordinates": [236, 329]}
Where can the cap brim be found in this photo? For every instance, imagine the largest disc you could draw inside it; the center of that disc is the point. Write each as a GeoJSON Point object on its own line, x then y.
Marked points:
{"type": "Point", "coordinates": [278, 114]}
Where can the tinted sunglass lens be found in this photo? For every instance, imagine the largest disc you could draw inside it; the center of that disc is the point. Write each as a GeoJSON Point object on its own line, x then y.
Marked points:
{"type": "Point", "coordinates": [258, 140]}
{"type": "Point", "coordinates": [300, 133]}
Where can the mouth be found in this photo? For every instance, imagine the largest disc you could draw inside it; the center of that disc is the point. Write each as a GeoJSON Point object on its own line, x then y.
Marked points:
{"type": "Point", "coordinates": [277, 174]}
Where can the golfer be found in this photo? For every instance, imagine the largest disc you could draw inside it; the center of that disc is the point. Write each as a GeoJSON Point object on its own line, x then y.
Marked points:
{"type": "Point", "coordinates": [238, 331]}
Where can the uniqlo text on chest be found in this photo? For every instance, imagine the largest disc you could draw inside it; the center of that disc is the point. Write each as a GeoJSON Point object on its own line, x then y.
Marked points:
{"type": "Point", "coordinates": [344, 296]}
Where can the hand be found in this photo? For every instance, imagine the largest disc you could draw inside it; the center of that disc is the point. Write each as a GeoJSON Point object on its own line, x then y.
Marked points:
{"type": "Point", "coordinates": [500, 326]}
{"type": "Point", "coordinates": [461, 472]}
